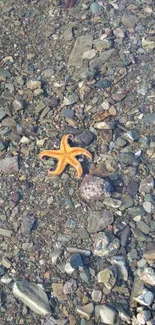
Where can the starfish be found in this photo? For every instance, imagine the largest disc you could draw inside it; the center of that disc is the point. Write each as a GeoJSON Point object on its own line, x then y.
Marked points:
{"type": "Point", "coordinates": [66, 155]}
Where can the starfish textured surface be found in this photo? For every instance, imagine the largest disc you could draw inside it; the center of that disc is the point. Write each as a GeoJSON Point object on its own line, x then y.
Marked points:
{"type": "Point", "coordinates": [66, 155]}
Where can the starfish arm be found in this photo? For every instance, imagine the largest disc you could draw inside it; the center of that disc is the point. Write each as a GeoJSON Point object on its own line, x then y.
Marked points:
{"type": "Point", "coordinates": [50, 153]}
{"type": "Point", "coordinates": [76, 164]}
{"type": "Point", "coordinates": [80, 151]}
{"type": "Point", "coordinates": [64, 146]}
{"type": "Point", "coordinates": [59, 169]}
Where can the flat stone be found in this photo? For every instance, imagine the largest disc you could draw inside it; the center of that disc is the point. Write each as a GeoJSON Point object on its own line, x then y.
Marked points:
{"type": "Point", "coordinates": [148, 207]}
{"type": "Point", "coordinates": [99, 220]}
{"type": "Point", "coordinates": [85, 311]}
{"type": "Point", "coordinates": [96, 295]}
{"type": "Point", "coordinates": [108, 276]}
{"type": "Point", "coordinates": [82, 45]}
{"type": "Point", "coordinates": [67, 112]}
{"type": "Point", "coordinates": [9, 165]}
{"type": "Point", "coordinates": [129, 21]}
{"type": "Point", "coordinates": [33, 84]}
{"type": "Point", "coordinates": [136, 211]}
{"type": "Point", "coordinates": [141, 225]}
{"type": "Point", "coordinates": [101, 45]}
{"type": "Point", "coordinates": [107, 314]}
{"type": "Point", "coordinates": [132, 188]}
{"type": "Point", "coordinates": [58, 291]}
{"type": "Point", "coordinates": [89, 54]}
{"type": "Point", "coordinates": [85, 138]}
{"type": "Point", "coordinates": [32, 296]}
{"type": "Point", "coordinates": [94, 188]}
{"type": "Point", "coordinates": [104, 57]}
{"type": "Point", "coordinates": [5, 232]}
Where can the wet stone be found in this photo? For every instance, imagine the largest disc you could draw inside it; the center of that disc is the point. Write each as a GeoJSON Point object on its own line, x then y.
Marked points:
{"type": "Point", "coordinates": [99, 220]}
{"type": "Point", "coordinates": [67, 112]}
{"type": "Point", "coordinates": [85, 311]}
{"type": "Point", "coordinates": [105, 246]}
{"type": "Point", "coordinates": [58, 291]}
{"type": "Point", "coordinates": [125, 235]}
{"type": "Point", "coordinates": [148, 207]}
{"type": "Point", "coordinates": [127, 202]}
{"type": "Point", "coordinates": [82, 45]}
{"type": "Point", "coordinates": [96, 295]}
{"type": "Point", "coordinates": [129, 21]}
{"type": "Point", "coordinates": [9, 165]}
{"type": "Point", "coordinates": [146, 298]}
{"type": "Point", "coordinates": [76, 261]}
{"type": "Point", "coordinates": [94, 188]}
{"type": "Point", "coordinates": [85, 138]}
{"type": "Point", "coordinates": [70, 286]}
{"type": "Point", "coordinates": [143, 227]}
{"type": "Point", "coordinates": [104, 57]}
{"type": "Point", "coordinates": [32, 296]}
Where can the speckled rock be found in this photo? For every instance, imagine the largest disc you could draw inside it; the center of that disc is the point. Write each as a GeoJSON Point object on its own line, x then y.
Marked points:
{"type": "Point", "coordinates": [94, 188]}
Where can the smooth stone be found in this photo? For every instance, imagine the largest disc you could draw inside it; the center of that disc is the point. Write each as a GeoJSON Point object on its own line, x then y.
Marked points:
{"type": "Point", "coordinates": [89, 54]}
{"type": "Point", "coordinates": [125, 235]}
{"type": "Point", "coordinates": [143, 316]}
{"type": "Point", "coordinates": [67, 112]}
{"type": "Point", "coordinates": [96, 295]}
{"type": "Point", "coordinates": [49, 72]}
{"type": "Point", "coordinates": [87, 73]}
{"type": "Point", "coordinates": [146, 298]}
{"type": "Point", "coordinates": [107, 314]}
{"type": "Point", "coordinates": [148, 207]}
{"type": "Point", "coordinates": [148, 276]}
{"type": "Point", "coordinates": [99, 220]}
{"type": "Point", "coordinates": [127, 202]}
{"type": "Point", "coordinates": [101, 45]}
{"type": "Point", "coordinates": [76, 261]}
{"type": "Point", "coordinates": [136, 211]}
{"type": "Point", "coordinates": [147, 185]}
{"type": "Point", "coordinates": [95, 8]}
{"type": "Point", "coordinates": [149, 198]}
{"type": "Point", "coordinates": [2, 113]}
{"type": "Point", "coordinates": [141, 225]}
{"type": "Point", "coordinates": [137, 289]}
{"type": "Point", "coordinates": [119, 262]}
{"type": "Point", "coordinates": [86, 311]}
{"type": "Point", "coordinates": [33, 84]}
{"type": "Point", "coordinates": [129, 21]}
{"type": "Point", "coordinates": [148, 118]}
{"type": "Point", "coordinates": [103, 84]}
{"type": "Point", "coordinates": [33, 296]}
{"type": "Point", "coordinates": [55, 256]}
{"type": "Point", "coordinates": [128, 158]}
{"type": "Point", "coordinates": [5, 73]}
{"type": "Point", "coordinates": [150, 255]}
{"type": "Point", "coordinates": [114, 203]}
{"type": "Point", "coordinates": [108, 276]}
{"type": "Point", "coordinates": [138, 234]}
{"type": "Point", "coordinates": [85, 138]}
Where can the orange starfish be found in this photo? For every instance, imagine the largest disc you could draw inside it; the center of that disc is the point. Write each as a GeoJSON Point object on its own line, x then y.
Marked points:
{"type": "Point", "coordinates": [66, 155]}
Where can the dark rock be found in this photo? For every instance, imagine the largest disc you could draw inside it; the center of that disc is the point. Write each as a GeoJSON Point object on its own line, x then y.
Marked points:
{"type": "Point", "coordinates": [125, 234]}
{"type": "Point", "coordinates": [67, 112]}
{"type": "Point", "coordinates": [94, 188]}
{"type": "Point", "coordinates": [76, 261]}
{"type": "Point", "coordinates": [132, 188]}
{"type": "Point", "coordinates": [99, 220]}
{"type": "Point", "coordinates": [103, 84]}
{"type": "Point", "coordinates": [85, 138]}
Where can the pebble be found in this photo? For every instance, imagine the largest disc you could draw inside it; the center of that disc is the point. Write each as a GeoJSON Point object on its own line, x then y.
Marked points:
{"type": "Point", "coordinates": [5, 232]}
{"type": "Point", "coordinates": [148, 276]}
{"type": "Point", "coordinates": [143, 227]}
{"type": "Point", "coordinates": [104, 57]}
{"type": "Point", "coordinates": [94, 188]}
{"type": "Point", "coordinates": [67, 112]}
{"type": "Point", "coordinates": [55, 256]}
{"type": "Point", "coordinates": [103, 84]}
{"type": "Point", "coordinates": [58, 291]}
{"type": "Point", "coordinates": [108, 276]}
{"type": "Point", "coordinates": [9, 165]}
{"type": "Point", "coordinates": [132, 188]}
{"type": "Point", "coordinates": [33, 84]}
{"type": "Point", "coordinates": [107, 314]}
{"type": "Point", "coordinates": [146, 298]}
{"type": "Point", "coordinates": [86, 311]}
{"type": "Point", "coordinates": [5, 73]}
{"type": "Point", "coordinates": [95, 8]}
{"type": "Point", "coordinates": [114, 203]}
{"type": "Point", "coordinates": [119, 262]}
{"type": "Point", "coordinates": [125, 234]}
{"type": "Point", "coordinates": [76, 261]}
{"type": "Point", "coordinates": [105, 246]}
{"type": "Point", "coordinates": [49, 72]}
{"type": "Point", "coordinates": [147, 185]}
{"type": "Point", "coordinates": [85, 138]}
{"type": "Point", "coordinates": [102, 45]}
{"type": "Point", "coordinates": [70, 100]}
{"type": "Point", "coordinates": [82, 45]}
{"type": "Point", "coordinates": [129, 21]}
{"type": "Point", "coordinates": [87, 73]}
{"type": "Point", "coordinates": [148, 207]}
{"type": "Point", "coordinates": [104, 125]}
{"type": "Point", "coordinates": [143, 316]}
{"type": "Point", "coordinates": [89, 54]}
{"type": "Point", "coordinates": [99, 220]}
{"type": "Point", "coordinates": [69, 287]}
{"type": "Point", "coordinates": [96, 295]}
{"type": "Point", "coordinates": [32, 296]}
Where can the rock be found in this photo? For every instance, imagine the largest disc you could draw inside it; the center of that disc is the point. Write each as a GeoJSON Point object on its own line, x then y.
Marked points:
{"type": "Point", "coordinates": [76, 261]}
{"type": "Point", "coordinates": [108, 276]}
{"type": "Point", "coordinates": [148, 45]}
{"type": "Point", "coordinates": [137, 289]}
{"type": "Point", "coordinates": [87, 73]}
{"type": "Point", "coordinates": [128, 158]}
{"type": "Point", "coordinates": [127, 202]}
{"type": "Point", "coordinates": [104, 125]}
{"type": "Point", "coordinates": [107, 314]}
{"type": "Point", "coordinates": [119, 262]}
{"type": "Point", "coordinates": [70, 100]}
{"type": "Point", "coordinates": [148, 207]}
{"type": "Point", "coordinates": [99, 220]}
{"type": "Point", "coordinates": [67, 112]}
{"type": "Point", "coordinates": [49, 72]}
{"type": "Point", "coordinates": [104, 57]}
{"type": "Point", "coordinates": [125, 234]}
{"type": "Point", "coordinates": [33, 84]}
{"type": "Point", "coordinates": [143, 316]}
{"type": "Point", "coordinates": [89, 54]}
{"type": "Point", "coordinates": [68, 33]}
{"type": "Point", "coordinates": [129, 21]}
{"type": "Point", "coordinates": [148, 276]}
{"type": "Point", "coordinates": [132, 188]}
{"type": "Point", "coordinates": [143, 227]}
{"type": "Point", "coordinates": [28, 223]}
{"type": "Point", "coordinates": [102, 45]}
{"type": "Point", "coordinates": [82, 45]}
{"type": "Point", "coordinates": [147, 185]}
{"type": "Point", "coordinates": [150, 256]}
{"type": "Point", "coordinates": [96, 295]}
{"type": "Point", "coordinates": [85, 311]}
{"type": "Point", "coordinates": [58, 291]}
{"type": "Point", "coordinates": [114, 203]}
{"type": "Point", "coordinates": [94, 188]}
{"type": "Point", "coordinates": [9, 165]}
{"type": "Point", "coordinates": [106, 136]}
{"type": "Point", "coordinates": [105, 246]}
{"type": "Point", "coordinates": [146, 298]}
{"type": "Point", "coordinates": [103, 84]}
{"type": "Point", "coordinates": [2, 113]}
{"type": "Point", "coordinates": [5, 73]}
{"type": "Point", "coordinates": [148, 118]}
{"type": "Point", "coordinates": [32, 296]}
{"type": "Point", "coordinates": [55, 256]}
{"type": "Point", "coordinates": [85, 138]}
{"type": "Point", "coordinates": [136, 211]}
{"type": "Point", "coordinates": [70, 286]}
{"type": "Point", "coordinates": [95, 8]}
{"type": "Point", "coordinates": [118, 32]}
{"type": "Point", "coordinates": [5, 232]}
